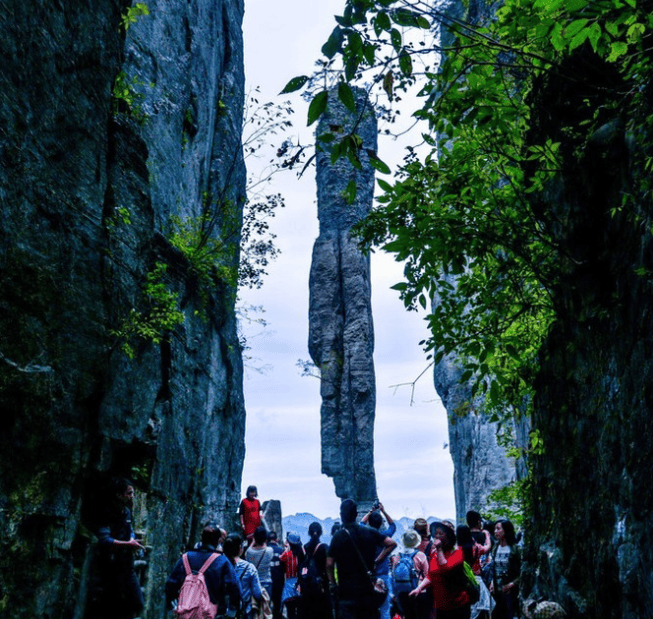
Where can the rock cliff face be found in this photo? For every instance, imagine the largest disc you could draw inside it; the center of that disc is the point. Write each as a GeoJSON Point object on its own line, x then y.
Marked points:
{"type": "Point", "coordinates": [480, 462]}
{"type": "Point", "coordinates": [591, 538]}
{"type": "Point", "coordinates": [105, 134]}
{"type": "Point", "coordinates": [341, 337]}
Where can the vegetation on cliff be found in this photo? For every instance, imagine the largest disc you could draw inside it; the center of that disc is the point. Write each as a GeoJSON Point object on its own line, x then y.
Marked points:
{"type": "Point", "coordinates": [473, 209]}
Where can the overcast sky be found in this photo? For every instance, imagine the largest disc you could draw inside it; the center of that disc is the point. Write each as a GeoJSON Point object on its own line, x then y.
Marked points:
{"type": "Point", "coordinates": [413, 468]}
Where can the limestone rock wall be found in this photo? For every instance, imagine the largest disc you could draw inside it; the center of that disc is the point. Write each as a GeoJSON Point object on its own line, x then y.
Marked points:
{"type": "Point", "coordinates": [104, 135]}
{"type": "Point", "coordinates": [591, 541]}
{"type": "Point", "coordinates": [480, 461]}
{"type": "Point", "coordinates": [341, 337]}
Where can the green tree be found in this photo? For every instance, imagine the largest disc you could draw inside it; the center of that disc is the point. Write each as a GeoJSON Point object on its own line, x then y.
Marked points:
{"type": "Point", "coordinates": [469, 217]}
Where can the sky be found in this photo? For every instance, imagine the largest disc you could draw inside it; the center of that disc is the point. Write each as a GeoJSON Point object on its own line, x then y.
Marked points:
{"type": "Point", "coordinates": [414, 470]}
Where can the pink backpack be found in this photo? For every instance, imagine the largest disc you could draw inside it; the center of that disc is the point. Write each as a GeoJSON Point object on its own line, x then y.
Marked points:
{"type": "Point", "coordinates": [194, 601]}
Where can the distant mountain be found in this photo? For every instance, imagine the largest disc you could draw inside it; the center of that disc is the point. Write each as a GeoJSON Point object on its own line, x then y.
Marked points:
{"type": "Point", "coordinates": [299, 523]}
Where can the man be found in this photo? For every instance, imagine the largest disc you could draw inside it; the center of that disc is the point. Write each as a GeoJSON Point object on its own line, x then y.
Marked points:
{"type": "Point", "coordinates": [121, 596]}
{"type": "Point", "coordinates": [375, 520]}
{"type": "Point", "coordinates": [220, 577]}
{"type": "Point", "coordinates": [353, 551]}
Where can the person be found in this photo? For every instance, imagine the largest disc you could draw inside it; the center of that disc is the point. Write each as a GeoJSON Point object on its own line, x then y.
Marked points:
{"type": "Point", "coordinates": [506, 558]}
{"type": "Point", "coordinates": [426, 545]}
{"type": "Point", "coordinates": [250, 587]}
{"type": "Point", "coordinates": [260, 555]}
{"type": "Point", "coordinates": [121, 596]}
{"type": "Point", "coordinates": [353, 551]}
{"type": "Point", "coordinates": [411, 607]}
{"type": "Point", "coordinates": [481, 536]}
{"type": "Point", "coordinates": [291, 557]}
{"type": "Point", "coordinates": [472, 552]}
{"type": "Point", "coordinates": [250, 513]}
{"type": "Point", "coordinates": [315, 603]}
{"type": "Point", "coordinates": [277, 574]}
{"type": "Point", "coordinates": [220, 577]}
{"type": "Point", "coordinates": [445, 573]}
{"type": "Point", "coordinates": [375, 520]}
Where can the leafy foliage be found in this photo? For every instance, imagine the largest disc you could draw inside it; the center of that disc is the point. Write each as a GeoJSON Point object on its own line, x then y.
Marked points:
{"type": "Point", "coordinates": [133, 13]}
{"type": "Point", "coordinates": [158, 316]}
{"type": "Point", "coordinates": [465, 216]}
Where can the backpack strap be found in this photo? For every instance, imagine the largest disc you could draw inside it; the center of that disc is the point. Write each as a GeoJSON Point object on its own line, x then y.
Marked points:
{"type": "Point", "coordinates": [184, 558]}
{"type": "Point", "coordinates": [208, 562]}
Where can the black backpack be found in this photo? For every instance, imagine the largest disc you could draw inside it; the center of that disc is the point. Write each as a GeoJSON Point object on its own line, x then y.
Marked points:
{"type": "Point", "coordinates": [309, 579]}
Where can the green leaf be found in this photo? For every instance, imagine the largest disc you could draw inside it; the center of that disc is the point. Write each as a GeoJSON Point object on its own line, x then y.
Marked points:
{"type": "Point", "coordinates": [317, 106]}
{"type": "Point", "coordinates": [404, 17]}
{"type": "Point", "coordinates": [594, 35]}
{"type": "Point", "coordinates": [384, 184]}
{"type": "Point", "coordinates": [334, 43]}
{"type": "Point", "coordinates": [295, 84]}
{"type": "Point", "coordinates": [395, 38]}
{"type": "Point", "coordinates": [579, 39]}
{"type": "Point", "coordinates": [406, 64]}
{"type": "Point", "coordinates": [376, 163]}
{"type": "Point", "coordinates": [572, 29]}
{"type": "Point", "coordinates": [617, 49]}
{"type": "Point", "coordinates": [346, 95]}
{"type": "Point", "coordinates": [350, 192]}
{"type": "Point", "coordinates": [574, 6]}
{"type": "Point", "coordinates": [382, 20]}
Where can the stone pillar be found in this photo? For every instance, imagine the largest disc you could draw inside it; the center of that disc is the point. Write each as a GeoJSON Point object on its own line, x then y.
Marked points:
{"type": "Point", "coordinates": [341, 336]}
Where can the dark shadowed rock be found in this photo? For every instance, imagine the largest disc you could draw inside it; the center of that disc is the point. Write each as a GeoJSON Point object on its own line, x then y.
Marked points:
{"type": "Point", "coordinates": [90, 175]}
{"type": "Point", "coordinates": [341, 336]}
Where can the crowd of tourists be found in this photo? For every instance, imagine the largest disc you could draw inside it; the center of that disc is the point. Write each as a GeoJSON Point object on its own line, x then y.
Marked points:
{"type": "Point", "coordinates": [440, 571]}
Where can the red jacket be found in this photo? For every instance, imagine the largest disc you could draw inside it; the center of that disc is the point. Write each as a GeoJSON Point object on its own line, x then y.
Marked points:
{"type": "Point", "coordinates": [446, 582]}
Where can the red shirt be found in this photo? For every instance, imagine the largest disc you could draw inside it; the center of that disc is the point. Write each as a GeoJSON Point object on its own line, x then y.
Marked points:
{"type": "Point", "coordinates": [290, 562]}
{"type": "Point", "coordinates": [249, 510]}
{"type": "Point", "coordinates": [443, 583]}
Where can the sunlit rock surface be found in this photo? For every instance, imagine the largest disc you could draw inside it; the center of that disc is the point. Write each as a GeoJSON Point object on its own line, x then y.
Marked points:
{"type": "Point", "coordinates": [88, 183]}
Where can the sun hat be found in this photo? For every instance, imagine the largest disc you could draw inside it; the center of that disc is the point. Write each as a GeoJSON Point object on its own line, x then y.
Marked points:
{"type": "Point", "coordinates": [411, 538]}
{"type": "Point", "coordinates": [293, 538]}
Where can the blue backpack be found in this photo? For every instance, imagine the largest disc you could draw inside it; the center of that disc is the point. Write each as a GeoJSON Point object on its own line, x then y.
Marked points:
{"type": "Point", "coordinates": [404, 574]}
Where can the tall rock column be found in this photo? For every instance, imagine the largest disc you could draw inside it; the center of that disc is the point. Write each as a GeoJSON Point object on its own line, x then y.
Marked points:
{"type": "Point", "coordinates": [341, 337]}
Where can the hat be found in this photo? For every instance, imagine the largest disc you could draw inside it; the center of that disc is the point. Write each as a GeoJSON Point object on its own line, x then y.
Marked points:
{"type": "Point", "coordinates": [411, 538]}
{"type": "Point", "coordinates": [421, 526]}
{"type": "Point", "coordinates": [293, 538]}
{"type": "Point", "coordinates": [447, 528]}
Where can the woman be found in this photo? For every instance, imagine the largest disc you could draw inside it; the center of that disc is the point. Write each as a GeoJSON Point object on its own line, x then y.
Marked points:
{"type": "Point", "coordinates": [260, 555]}
{"type": "Point", "coordinates": [314, 601]}
{"type": "Point", "coordinates": [246, 573]}
{"type": "Point", "coordinates": [472, 551]}
{"type": "Point", "coordinates": [410, 607]}
{"type": "Point", "coordinates": [250, 513]}
{"type": "Point", "coordinates": [506, 559]}
{"type": "Point", "coordinates": [292, 556]}
{"type": "Point", "coordinates": [446, 575]}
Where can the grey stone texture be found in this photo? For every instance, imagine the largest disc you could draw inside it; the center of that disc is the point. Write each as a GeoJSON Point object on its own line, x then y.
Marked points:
{"type": "Point", "coordinates": [341, 334]}
{"type": "Point", "coordinates": [480, 461]}
{"type": "Point", "coordinates": [88, 183]}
